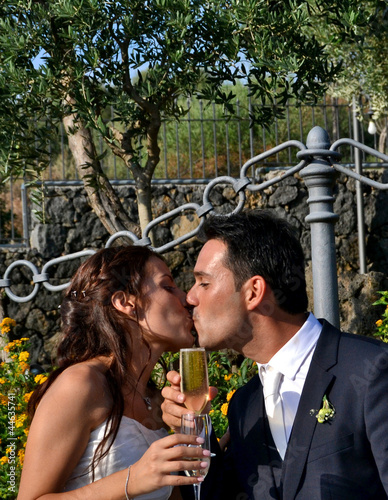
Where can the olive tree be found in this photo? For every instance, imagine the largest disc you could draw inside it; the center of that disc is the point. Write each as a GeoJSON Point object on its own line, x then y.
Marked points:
{"type": "Point", "coordinates": [66, 61]}
{"type": "Point", "coordinates": [364, 62]}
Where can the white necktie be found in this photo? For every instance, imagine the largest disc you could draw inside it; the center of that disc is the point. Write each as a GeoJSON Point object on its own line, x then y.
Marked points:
{"type": "Point", "coordinates": [273, 407]}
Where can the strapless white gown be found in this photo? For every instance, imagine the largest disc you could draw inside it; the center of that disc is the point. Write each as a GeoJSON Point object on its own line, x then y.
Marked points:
{"type": "Point", "coordinates": [132, 441]}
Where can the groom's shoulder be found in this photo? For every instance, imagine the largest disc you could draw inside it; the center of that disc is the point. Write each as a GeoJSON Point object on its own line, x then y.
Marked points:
{"type": "Point", "coordinates": [346, 339]}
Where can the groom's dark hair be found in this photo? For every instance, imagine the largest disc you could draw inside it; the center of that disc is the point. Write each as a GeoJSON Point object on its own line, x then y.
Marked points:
{"type": "Point", "coordinates": [261, 243]}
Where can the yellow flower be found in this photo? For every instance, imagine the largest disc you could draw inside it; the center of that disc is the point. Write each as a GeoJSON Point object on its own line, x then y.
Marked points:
{"type": "Point", "coordinates": [211, 412]}
{"type": "Point", "coordinates": [21, 457]}
{"type": "Point", "coordinates": [8, 321]}
{"type": "Point", "coordinates": [23, 367]}
{"type": "Point", "coordinates": [224, 409]}
{"type": "Point", "coordinates": [230, 394]}
{"type": "Point", "coordinates": [379, 322]}
{"type": "Point", "coordinates": [27, 396]}
{"type": "Point", "coordinates": [24, 339]}
{"type": "Point", "coordinates": [23, 356]}
{"type": "Point", "coordinates": [9, 346]}
{"type": "Point", "coordinates": [2, 381]}
{"type": "Point", "coordinates": [228, 377]}
{"type": "Point", "coordinates": [26, 431]}
{"type": "Point", "coordinates": [3, 400]}
{"type": "Point", "coordinates": [20, 420]}
{"type": "Point", "coordinates": [3, 460]}
{"type": "Point", "coordinates": [6, 325]}
{"type": "Point", "coordinates": [40, 379]}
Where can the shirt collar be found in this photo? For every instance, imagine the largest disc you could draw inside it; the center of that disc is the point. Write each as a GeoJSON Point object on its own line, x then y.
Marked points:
{"type": "Point", "coordinates": [291, 356]}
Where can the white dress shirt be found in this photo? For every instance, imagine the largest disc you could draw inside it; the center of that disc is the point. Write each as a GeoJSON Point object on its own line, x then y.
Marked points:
{"type": "Point", "coordinates": [293, 361]}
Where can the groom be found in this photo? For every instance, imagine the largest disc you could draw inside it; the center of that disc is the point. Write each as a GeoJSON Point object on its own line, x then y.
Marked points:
{"type": "Point", "coordinates": [250, 295]}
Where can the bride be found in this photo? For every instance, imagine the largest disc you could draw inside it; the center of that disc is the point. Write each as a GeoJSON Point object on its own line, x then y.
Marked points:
{"type": "Point", "coordinates": [96, 429]}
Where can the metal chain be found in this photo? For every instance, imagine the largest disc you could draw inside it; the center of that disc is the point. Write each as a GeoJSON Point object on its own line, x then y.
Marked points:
{"type": "Point", "coordinates": [239, 185]}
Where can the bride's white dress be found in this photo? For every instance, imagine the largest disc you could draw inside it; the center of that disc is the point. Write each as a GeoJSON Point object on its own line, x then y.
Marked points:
{"type": "Point", "coordinates": [132, 441]}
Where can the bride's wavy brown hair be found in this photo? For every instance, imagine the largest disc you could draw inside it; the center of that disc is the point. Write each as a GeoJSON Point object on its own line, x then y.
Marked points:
{"type": "Point", "coordinates": [92, 326]}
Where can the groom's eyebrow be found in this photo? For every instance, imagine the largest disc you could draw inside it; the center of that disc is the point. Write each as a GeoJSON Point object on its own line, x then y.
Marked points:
{"type": "Point", "coordinates": [199, 274]}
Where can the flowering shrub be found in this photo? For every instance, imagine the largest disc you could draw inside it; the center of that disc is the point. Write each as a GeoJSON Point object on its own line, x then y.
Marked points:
{"type": "Point", "coordinates": [16, 386]}
{"type": "Point", "coordinates": [227, 376]}
{"type": "Point", "coordinates": [382, 324]}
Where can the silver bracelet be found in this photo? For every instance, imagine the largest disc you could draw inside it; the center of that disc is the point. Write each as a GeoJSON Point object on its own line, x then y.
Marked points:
{"type": "Point", "coordinates": [126, 484]}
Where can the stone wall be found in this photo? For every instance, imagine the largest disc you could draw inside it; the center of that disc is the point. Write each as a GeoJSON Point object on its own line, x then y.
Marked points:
{"type": "Point", "coordinates": [74, 227]}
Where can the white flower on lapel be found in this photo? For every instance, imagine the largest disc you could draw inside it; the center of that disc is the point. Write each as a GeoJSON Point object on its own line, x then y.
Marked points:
{"type": "Point", "coordinates": [326, 413]}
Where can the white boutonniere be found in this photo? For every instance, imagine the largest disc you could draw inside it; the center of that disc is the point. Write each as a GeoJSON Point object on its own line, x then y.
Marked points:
{"type": "Point", "coordinates": [326, 413]}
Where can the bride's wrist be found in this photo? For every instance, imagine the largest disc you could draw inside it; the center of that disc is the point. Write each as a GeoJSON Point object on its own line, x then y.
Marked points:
{"type": "Point", "coordinates": [126, 484]}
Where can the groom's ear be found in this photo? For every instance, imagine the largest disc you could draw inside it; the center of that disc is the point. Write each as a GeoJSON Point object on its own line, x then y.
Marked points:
{"type": "Point", "coordinates": [254, 292]}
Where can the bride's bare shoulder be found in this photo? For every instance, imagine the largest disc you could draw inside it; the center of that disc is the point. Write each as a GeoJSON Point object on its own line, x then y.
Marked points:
{"type": "Point", "coordinates": [82, 388]}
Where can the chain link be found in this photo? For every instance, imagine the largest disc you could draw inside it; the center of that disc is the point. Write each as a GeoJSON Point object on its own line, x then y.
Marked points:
{"type": "Point", "coordinates": [239, 185]}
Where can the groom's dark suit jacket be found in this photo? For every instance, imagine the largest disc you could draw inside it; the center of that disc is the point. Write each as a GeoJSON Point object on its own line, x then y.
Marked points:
{"type": "Point", "coordinates": [343, 458]}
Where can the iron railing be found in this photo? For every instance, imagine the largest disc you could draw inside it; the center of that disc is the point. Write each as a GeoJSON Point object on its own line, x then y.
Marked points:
{"type": "Point", "coordinates": [318, 164]}
{"type": "Point", "coordinates": [198, 148]}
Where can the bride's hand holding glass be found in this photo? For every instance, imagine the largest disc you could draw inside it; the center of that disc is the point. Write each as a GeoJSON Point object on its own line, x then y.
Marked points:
{"type": "Point", "coordinates": [165, 457]}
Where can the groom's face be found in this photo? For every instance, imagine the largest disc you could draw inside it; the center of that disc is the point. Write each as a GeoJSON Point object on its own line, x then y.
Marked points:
{"type": "Point", "coordinates": [219, 311]}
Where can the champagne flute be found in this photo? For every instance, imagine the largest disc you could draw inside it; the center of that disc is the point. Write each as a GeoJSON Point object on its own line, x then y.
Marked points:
{"type": "Point", "coordinates": [194, 378]}
{"type": "Point", "coordinates": [197, 425]}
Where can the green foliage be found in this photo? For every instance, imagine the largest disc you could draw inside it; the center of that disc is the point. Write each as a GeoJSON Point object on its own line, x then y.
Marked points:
{"type": "Point", "coordinates": [76, 58]}
{"type": "Point", "coordinates": [226, 372]}
{"type": "Point", "coordinates": [17, 384]}
{"type": "Point", "coordinates": [382, 324]}
{"type": "Point", "coordinates": [227, 375]}
{"type": "Point", "coordinates": [169, 361]}
{"type": "Point", "coordinates": [364, 58]}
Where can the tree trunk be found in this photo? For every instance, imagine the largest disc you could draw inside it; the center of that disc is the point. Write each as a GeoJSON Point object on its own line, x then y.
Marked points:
{"type": "Point", "coordinates": [102, 198]}
{"type": "Point", "coordinates": [143, 176]}
{"type": "Point", "coordinates": [383, 138]}
{"type": "Point", "coordinates": [335, 127]}
{"type": "Point", "coordinates": [144, 207]}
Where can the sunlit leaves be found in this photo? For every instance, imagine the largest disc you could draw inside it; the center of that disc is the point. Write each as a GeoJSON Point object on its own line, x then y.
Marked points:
{"type": "Point", "coordinates": [140, 55]}
{"type": "Point", "coordinates": [364, 58]}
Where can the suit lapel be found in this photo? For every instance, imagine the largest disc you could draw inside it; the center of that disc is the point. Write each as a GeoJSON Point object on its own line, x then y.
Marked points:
{"type": "Point", "coordinates": [317, 382]}
{"type": "Point", "coordinates": [256, 450]}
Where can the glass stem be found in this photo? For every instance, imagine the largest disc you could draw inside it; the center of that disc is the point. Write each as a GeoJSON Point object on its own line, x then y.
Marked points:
{"type": "Point", "coordinates": [197, 491]}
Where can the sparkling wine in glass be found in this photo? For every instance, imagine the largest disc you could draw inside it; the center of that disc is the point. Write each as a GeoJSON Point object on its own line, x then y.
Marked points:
{"type": "Point", "coordinates": [197, 425]}
{"type": "Point", "coordinates": [194, 378]}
